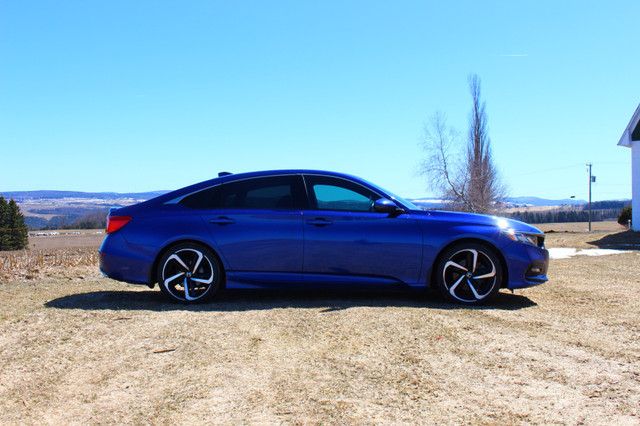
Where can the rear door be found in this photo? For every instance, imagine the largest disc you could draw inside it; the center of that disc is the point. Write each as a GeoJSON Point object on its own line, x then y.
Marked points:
{"type": "Point", "coordinates": [256, 224]}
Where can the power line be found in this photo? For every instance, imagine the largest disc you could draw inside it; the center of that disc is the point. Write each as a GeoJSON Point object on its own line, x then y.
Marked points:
{"type": "Point", "coordinates": [615, 163]}
{"type": "Point", "coordinates": [608, 163]}
{"type": "Point", "coordinates": [547, 170]}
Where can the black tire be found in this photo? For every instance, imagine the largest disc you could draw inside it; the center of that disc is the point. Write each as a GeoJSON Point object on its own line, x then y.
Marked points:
{"type": "Point", "coordinates": [189, 273]}
{"type": "Point", "coordinates": [469, 273]}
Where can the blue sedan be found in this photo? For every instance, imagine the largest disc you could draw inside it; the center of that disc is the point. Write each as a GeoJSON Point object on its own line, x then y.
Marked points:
{"type": "Point", "coordinates": [314, 229]}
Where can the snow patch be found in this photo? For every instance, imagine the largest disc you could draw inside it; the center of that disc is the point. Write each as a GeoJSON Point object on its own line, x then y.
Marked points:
{"type": "Point", "coordinates": [565, 253]}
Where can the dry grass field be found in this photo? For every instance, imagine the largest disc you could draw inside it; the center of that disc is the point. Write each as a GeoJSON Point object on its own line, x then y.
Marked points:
{"type": "Point", "coordinates": [67, 239]}
{"type": "Point", "coordinates": [81, 349]}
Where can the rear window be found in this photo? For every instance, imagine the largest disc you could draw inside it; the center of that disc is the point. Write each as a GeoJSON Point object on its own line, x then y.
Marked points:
{"type": "Point", "coordinates": [209, 198]}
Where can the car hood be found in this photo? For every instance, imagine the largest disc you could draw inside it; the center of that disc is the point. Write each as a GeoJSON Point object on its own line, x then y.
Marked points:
{"type": "Point", "coordinates": [476, 219]}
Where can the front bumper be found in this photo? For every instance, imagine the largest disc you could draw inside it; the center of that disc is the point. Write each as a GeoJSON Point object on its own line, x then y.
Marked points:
{"type": "Point", "coordinates": [528, 267]}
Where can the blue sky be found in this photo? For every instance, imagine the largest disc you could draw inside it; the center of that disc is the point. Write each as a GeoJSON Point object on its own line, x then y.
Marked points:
{"type": "Point", "coordinates": [131, 96]}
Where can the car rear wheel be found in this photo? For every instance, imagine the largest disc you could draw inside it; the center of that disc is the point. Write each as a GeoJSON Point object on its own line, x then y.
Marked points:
{"type": "Point", "coordinates": [469, 273]}
{"type": "Point", "coordinates": [189, 273]}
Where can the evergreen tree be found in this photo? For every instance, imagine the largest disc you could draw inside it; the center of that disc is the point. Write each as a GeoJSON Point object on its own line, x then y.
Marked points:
{"type": "Point", "coordinates": [625, 216]}
{"type": "Point", "coordinates": [19, 233]}
{"type": "Point", "coordinates": [4, 223]}
{"type": "Point", "coordinates": [13, 229]}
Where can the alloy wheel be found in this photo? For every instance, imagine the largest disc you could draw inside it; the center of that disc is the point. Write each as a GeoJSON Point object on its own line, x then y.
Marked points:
{"type": "Point", "coordinates": [189, 274]}
{"type": "Point", "coordinates": [470, 275]}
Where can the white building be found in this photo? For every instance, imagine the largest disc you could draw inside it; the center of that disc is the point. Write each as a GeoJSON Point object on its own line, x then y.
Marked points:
{"type": "Point", "coordinates": [631, 138]}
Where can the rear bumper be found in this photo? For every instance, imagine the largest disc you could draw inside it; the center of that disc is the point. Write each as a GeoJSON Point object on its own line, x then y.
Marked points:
{"type": "Point", "coordinates": [119, 262]}
{"type": "Point", "coordinates": [121, 269]}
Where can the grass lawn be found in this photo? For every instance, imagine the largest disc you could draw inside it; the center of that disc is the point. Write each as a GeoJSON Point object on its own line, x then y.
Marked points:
{"type": "Point", "coordinates": [78, 348]}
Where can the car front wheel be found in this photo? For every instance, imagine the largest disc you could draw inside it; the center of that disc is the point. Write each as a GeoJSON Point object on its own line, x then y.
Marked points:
{"type": "Point", "coordinates": [189, 273]}
{"type": "Point", "coordinates": [469, 273]}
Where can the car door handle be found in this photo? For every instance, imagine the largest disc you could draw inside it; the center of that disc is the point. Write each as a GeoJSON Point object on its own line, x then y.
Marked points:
{"type": "Point", "coordinates": [319, 222]}
{"type": "Point", "coordinates": [222, 220]}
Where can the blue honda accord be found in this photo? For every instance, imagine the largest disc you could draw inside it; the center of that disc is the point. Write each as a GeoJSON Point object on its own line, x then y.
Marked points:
{"type": "Point", "coordinates": [314, 229]}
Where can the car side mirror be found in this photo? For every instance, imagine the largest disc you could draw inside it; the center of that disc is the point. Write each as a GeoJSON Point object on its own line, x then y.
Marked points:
{"type": "Point", "coordinates": [383, 205]}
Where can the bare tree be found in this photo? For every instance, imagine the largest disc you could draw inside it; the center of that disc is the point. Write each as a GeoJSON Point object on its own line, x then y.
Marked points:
{"type": "Point", "coordinates": [485, 185]}
{"type": "Point", "coordinates": [468, 182]}
{"type": "Point", "coordinates": [446, 173]}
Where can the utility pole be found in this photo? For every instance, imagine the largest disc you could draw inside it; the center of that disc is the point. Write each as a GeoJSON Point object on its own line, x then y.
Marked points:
{"type": "Point", "coordinates": [591, 179]}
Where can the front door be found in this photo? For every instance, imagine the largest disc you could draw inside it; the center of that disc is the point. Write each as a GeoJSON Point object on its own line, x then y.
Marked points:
{"type": "Point", "coordinates": [345, 237]}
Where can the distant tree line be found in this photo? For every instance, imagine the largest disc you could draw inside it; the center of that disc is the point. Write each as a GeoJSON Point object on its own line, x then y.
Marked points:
{"type": "Point", "coordinates": [612, 204]}
{"type": "Point", "coordinates": [92, 220]}
{"type": "Point", "coordinates": [14, 234]}
{"type": "Point", "coordinates": [600, 211]}
{"type": "Point", "coordinates": [562, 216]}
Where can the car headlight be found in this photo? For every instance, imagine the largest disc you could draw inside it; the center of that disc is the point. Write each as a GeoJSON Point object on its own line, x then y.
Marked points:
{"type": "Point", "coordinates": [522, 237]}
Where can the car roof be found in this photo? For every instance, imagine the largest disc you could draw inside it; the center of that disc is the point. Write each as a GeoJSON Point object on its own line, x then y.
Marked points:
{"type": "Point", "coordinates": [237, 176]}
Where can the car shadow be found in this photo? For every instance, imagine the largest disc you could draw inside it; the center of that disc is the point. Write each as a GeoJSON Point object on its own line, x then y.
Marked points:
{"type": "Point", "coordinates": [626, 240]}
{"type": "Point", "coordinates": [251, 300]}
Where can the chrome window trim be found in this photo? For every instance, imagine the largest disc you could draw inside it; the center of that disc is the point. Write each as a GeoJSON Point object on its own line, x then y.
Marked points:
{"type": "Point", "coordinates": [177, 200]}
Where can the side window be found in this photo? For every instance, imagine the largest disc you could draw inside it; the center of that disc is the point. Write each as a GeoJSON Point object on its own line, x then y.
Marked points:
{"type": "Point", "coordinates": [329, 193]}
{"type": "Point", "coordinates": [206, 199]}
{"type": "Point", "coordinates": [337, 198]}
{"type": "Point", "coordinates": [268, 193]}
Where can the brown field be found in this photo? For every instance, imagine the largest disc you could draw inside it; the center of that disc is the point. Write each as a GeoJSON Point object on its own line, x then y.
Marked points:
{"type": "Point", "coordinates": [78, 348]}
{"type": "Point", "coordinates": [607, 226]}
{"type": "Point", "coordinates": [67, 239]}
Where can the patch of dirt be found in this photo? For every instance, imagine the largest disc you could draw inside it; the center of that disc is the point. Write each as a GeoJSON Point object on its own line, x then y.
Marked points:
{"type": "Point", "coordinates": [581, 227]}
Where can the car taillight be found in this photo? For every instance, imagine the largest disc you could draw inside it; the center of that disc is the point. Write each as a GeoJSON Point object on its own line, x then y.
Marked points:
{"type": "Point", "coordinates": [116, 222]}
